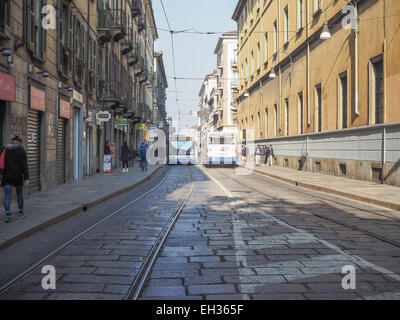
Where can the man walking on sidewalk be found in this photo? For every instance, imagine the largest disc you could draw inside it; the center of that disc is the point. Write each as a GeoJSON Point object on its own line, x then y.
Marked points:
{"type": "Point", "coordinates": [15, 174]}
{"type": "Point", "coordinates": [142, 156]}
{"type": "Point", "coordinates": [124, 157]}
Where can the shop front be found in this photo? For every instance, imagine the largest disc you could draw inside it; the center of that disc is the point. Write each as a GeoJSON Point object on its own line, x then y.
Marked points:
{"type": "Point", "coordinates": [7, 95]}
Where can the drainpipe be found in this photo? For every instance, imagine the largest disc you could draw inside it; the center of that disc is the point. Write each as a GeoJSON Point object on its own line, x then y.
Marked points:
{"type": "Point", "coordinates": [356, 31]}
{"type": "Point", "coordinates": [308, 65]}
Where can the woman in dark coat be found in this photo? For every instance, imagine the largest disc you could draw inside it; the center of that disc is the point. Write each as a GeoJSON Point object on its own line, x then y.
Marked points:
{"type": "Point", "coordinates": [15, 174]}
{"type": "Point", "coordinates": [125, 153]}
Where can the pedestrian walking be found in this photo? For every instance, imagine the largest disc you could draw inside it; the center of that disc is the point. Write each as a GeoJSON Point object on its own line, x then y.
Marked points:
{"type": "Point", "coordinates": [142, 153]}
{"type": "Point", "coordinates": [270, 155]}
{"type": "Point", "coordinates": [243, 154]}
{"type": "Point", "coordinates": [124, 156]}
{"type": "Point", "coordinates": [15, 174]}
{"type": "Point", "coordinates": [263, 155]}
{"type": "Point", "coordinates": [132, 155]}
{"type": "Point", "coordinates": [107, 149]}
{"type": "Point", "coordinates": [258, 155]}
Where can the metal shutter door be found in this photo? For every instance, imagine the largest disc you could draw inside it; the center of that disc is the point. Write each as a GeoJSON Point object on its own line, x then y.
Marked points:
{"type": "Point", "coordinates": [33, 150]}
{"type": "Point", "coordinates": [60, 167]}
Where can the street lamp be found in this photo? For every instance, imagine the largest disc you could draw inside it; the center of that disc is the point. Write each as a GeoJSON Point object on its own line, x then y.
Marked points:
{"type": "Point", "coordinates": [272, 74]}
{"type": "Point", "coordinates": [325, 35]}
{"type": "Point", "coordinates": [6, 52]}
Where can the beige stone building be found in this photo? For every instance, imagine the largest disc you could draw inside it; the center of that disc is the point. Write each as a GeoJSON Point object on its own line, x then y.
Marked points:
{"type": "Point", "coordinates": [318, 79]}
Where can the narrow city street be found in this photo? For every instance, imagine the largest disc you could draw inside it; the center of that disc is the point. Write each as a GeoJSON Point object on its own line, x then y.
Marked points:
{"type": "Point", "coordinates": [216, 233]}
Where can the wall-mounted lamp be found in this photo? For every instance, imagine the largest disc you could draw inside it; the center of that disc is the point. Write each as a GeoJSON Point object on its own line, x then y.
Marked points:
{"type": "Point", "coordinates": [44, 73]}
{"type": "Point", "coordinates": [6, 51]}
{"type": "Point", "coordinates": [325, 35]}
{"type": "Point", "coordinates": [69, 88]}
{"type": "Point", "coordinates": [272, 74]}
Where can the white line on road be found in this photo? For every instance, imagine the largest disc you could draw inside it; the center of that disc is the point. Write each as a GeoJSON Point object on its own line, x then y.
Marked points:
{"type": "Point", "coordinates": [346, 256]}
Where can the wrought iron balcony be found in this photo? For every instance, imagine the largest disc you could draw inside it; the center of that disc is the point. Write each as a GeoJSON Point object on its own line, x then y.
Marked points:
{"type": "Point", "coordinates": [127, 42]}
{"type": "Point", "coordinates": [105, 27]}
{"type": "Point", "coordinates": [112, 94]}
{"type": "Point", "coordinates": [136, 7]}
{"type": "Point", "coordinates": [133, 56]}
{"type": "Point", "coordinates": [120, 29]}
{"type": "Point", "coordinates": [234, 84]}
{"type": "Point", "coordinates": [139, 67]}
{"type": "Point", "coordinates": [142, 23]}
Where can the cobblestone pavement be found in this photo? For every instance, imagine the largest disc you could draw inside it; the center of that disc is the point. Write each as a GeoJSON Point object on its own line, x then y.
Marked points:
{"type": "Point", "coordinates": [238, 238]}
{"type": "Point", "coordinates": [103, 264]}
{"type": "Point", "coordinates": [234, 243]}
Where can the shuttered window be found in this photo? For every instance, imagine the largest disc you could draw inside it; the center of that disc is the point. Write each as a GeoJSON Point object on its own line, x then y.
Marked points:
{"type": "Point", "coordinates": [4, 15]}
{"type": "Point", "coordinates": [34, 32]}
{"type": "Point", "coordinates": [33, 150]}
{"type": "Point", "coordinates": [60, 163]}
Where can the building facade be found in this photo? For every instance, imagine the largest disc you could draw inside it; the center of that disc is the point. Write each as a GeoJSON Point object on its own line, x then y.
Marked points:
{"type": "Point", "coordinates": [208, 109]}
{"type": "Point", "coordinates": [62, 62]}
{"type": "Point", "coordinates": [160, 116]}
{"type": "Point", "coordinates": [317, 80]}
{"type": "Point", "coordinates": [227, 86]}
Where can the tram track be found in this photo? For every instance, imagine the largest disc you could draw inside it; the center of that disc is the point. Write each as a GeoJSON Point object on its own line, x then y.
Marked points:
{"type": "Point", "coordinates": [330, 219]}
{"type": "Point", "coordinates": [139, 281]}
{"type": "Point", "coordinates": [138, 284]}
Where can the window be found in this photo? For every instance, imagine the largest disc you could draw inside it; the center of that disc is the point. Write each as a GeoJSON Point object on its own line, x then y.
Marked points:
{"type": "Point", "coordinates": [286, 25]}
{"type": "Point", "coordinates": [377, 90]}
{"type": "Point", "coordinates": [259, 123]}
{"type": "Point", "coordinates": [343, 101]}
{"type": "Point", "coordinates": [317, 6]}
{"type": "Point", "coordinates": [275, 120]}
{"type": "Point", "coordinates": [300, 13]}
{"type": "Point", "coordinates": [275, 37]}
{"type": "Point", "coordinates": [300, 106]}
{"type": "Point", "coordinates": [266, 48]}
{"type": "Point", "coordinates": [318, 108]}
{"type": "Point", "coordinates": [92, 65]}
{"type": "Point", "coordinates": [258, 55]}
{"type": "Point", "coordinates": [35, 34]}
{"type": "Point", "coordinates": [286, 117]}
{"type": "Point", "coordinates": [100, 82]}
{"type": "Point", "coordinates": [247, 70]}
{"type": "Point", "coordinates": [266, 122]}
{"type": "Point", "coordinates": [79, 50]}
{"type": "Point", "coordinates": [252, 64]}
{"type": "Point", "coordinates": [65, 37]}
{"type": "Point", "coordinates": [4, 15]}
{"type": "Point", "coordinates": [241, 74]}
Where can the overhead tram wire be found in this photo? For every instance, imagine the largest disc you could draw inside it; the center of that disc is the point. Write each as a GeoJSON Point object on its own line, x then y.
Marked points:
{"type": "Point", "coordinates": [173, 58]}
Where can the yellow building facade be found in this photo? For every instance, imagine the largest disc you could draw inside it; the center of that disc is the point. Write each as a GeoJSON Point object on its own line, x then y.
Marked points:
{"type": "Point", "coordinates": [317, 67]}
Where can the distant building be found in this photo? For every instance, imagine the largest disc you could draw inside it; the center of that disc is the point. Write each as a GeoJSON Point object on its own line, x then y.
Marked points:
{"type": "Point", "coordinates": [225, 116]}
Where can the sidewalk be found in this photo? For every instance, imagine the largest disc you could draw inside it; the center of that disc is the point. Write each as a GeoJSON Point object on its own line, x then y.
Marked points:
{"type": "Point", "coordinates": [364, 191]}
{"type": "Point", "coordinates": [46, 208]}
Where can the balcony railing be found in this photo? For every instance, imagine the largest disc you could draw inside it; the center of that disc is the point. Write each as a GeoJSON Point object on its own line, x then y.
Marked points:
{"type": "Point", "coordinates": [119, 17]}
{"type": "Point", "coordinates": [142, 22]}
{"type": "Point", "coordinates": [136, 7]}
{"type": "Point", "coordinates": [113, 93]}
{"type": "Point", "coordinates": [234, 63]}
{"type": "Point", "coordinates": [127, 42]}
{"type": "Point", "coordinates": [139, 67]}
{"type": "Point", "coordinates": [133, 56]}
{"type": "Point", "coordinates": [105, 27]}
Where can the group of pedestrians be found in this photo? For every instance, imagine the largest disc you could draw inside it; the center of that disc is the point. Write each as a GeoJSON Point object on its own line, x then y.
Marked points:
{"type": "Point", "coordinates": [263, 156]}
{"type": "Point", "coordinates": [127, 154]}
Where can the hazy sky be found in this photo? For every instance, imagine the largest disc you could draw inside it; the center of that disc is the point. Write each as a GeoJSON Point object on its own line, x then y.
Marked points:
{"type": "Point", "coordinates": [194, 53]}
